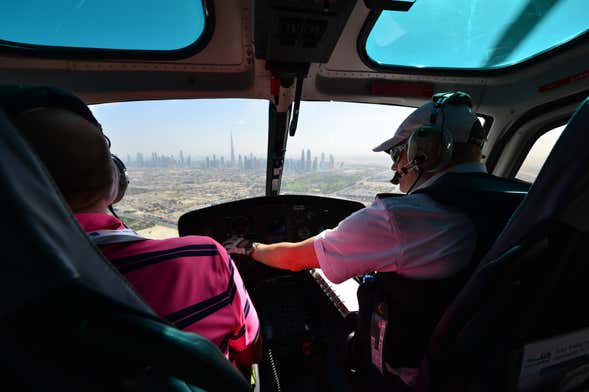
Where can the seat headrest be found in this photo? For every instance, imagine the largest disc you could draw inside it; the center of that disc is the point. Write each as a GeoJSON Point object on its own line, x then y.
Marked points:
{"type": "Point", "coordinates": [45, 249]}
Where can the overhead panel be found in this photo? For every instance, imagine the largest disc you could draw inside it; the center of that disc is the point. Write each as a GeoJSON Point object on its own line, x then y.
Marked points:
{"type": "Point", "coordinates": [302, 31]}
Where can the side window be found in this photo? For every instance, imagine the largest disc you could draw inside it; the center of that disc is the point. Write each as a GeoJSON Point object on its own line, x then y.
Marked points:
{"type": "Point", "coordinates": [537, 155]}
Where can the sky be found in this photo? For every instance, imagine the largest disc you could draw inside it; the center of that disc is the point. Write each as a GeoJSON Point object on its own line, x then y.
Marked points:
{"type": "Point", "coordinates": [203, 127]}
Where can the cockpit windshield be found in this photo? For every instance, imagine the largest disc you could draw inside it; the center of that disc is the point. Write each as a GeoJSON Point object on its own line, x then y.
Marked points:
{"type": "Point", "coordinates": [184, 155]}
{"type": "Point", "coordinates": [331, 152]}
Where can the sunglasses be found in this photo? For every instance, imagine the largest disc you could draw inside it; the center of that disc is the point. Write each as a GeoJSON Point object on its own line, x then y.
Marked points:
{"type": "Point", "coordinates": [396, 151]}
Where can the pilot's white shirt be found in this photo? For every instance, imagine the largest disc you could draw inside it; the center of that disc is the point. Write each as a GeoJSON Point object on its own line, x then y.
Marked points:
{"type": "Point", "coordinates": [412, 235]}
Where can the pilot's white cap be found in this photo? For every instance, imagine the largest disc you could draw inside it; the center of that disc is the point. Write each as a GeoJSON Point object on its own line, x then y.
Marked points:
{"type": "Point", "coordinates": [458, 119]}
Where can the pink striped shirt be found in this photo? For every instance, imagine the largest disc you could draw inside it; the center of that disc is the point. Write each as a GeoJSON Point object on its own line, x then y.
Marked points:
{"type": "Point", "coordinates": [190, 281]}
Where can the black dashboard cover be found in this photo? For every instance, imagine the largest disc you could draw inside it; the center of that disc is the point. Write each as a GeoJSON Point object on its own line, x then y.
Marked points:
{"type": "Point", "coordinates": [268, 219]}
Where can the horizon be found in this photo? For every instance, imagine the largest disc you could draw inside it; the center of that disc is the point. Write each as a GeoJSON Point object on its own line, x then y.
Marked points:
{"type": "Point", "coordinates": [202, 127]}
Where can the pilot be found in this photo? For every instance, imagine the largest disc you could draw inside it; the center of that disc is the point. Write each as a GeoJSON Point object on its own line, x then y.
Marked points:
{"type": "Point", "coordinates": [190, 281]}
{"type": "Point", "coordinates": [421, 245]}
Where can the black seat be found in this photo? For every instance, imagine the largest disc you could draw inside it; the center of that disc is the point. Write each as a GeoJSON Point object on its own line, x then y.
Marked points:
{"type": "Point", "coordinates": [68, 319]}
{"type": "Point", "coordinates": [525, 308]}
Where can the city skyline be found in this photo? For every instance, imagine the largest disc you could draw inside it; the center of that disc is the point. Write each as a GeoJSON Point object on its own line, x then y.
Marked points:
{"type": "Point", "coordinates": [203, 127]}
{"type": "Point", "coordinates": [306, 163]}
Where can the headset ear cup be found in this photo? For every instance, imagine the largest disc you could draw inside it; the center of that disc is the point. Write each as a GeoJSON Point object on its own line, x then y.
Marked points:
{"type": "Point", "coordinates": [413, 146]}
{"type": "Point", "coordinates": [430, 147]}
{"type": "Point", "coordinates": [446, 151]}
{"type": "Point", "coordinates": [120, 179]}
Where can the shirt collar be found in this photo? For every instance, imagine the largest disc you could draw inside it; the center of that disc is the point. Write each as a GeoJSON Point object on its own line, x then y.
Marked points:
{"type": "Point", "coordinates": [93, 221]}
{"type": "Point", "coordinates": [469, 167]}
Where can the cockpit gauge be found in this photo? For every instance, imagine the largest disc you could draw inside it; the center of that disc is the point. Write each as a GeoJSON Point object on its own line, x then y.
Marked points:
{"type": "Point", "coordinates": [240, 226]}
{"type": "Point", "coordinates": [303, 233]}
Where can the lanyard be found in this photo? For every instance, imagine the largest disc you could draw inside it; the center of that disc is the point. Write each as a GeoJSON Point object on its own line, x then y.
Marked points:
{"type": "Point", "coordinates": [107, 237]}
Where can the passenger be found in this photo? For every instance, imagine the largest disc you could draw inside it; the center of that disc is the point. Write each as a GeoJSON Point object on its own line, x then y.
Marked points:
{"type": "Point", "coordinates": [190, 281]}
{"type": "Point", "coordinates": [409, 240]}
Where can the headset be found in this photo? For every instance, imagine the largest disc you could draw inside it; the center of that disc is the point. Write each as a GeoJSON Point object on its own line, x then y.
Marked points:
{"type": "Point", "coordinates": [16, 100]}
{"type": "Point", "coordinates": [431, 146]}
{"type": "Point", "coordinates": [120, 180]}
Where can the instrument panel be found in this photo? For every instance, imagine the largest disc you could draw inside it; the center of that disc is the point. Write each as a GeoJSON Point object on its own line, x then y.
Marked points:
{"type": "Point", "coordinates": [271, 219]}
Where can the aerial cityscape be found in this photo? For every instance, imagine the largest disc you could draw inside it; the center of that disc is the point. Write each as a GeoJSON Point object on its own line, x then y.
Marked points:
{"type": "Point", "coordinates": [163, 187]}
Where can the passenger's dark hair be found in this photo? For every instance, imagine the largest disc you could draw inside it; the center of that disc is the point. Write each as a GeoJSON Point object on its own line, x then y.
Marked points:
{"type": "Point", "coordinates": [74, 151]}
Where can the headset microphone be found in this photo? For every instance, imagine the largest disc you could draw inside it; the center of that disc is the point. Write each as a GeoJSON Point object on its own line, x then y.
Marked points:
{"type": "Point", "coordinates": [396, 179]}
{"type": "Point", "coordinates": [405, 169]}
{"type": "Point", "coordinates": [413, 165]}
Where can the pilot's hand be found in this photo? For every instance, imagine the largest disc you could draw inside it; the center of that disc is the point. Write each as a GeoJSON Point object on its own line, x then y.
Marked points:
{"type": "Point", "coordinates": [238, 245]}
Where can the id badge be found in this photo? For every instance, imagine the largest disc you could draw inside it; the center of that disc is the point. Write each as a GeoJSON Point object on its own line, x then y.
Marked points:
{"type": "Point", "coordinates": [378, 329]}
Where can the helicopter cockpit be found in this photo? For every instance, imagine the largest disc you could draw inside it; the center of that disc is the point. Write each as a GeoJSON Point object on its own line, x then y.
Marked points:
{"type": "Point", "coordinates": [257, 119]}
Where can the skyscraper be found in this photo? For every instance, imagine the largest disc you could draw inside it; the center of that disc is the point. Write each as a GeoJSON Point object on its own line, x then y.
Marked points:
{"type": "Point", "coordinates": [302, 162]}
{"type": "Point", "coordinates": [232, 150]}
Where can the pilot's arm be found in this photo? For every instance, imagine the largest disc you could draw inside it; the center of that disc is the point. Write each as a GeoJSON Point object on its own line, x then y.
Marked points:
{"type": "Point", "coordinates": [365, 241]}
{"type": "Point", "coordinates": [294, 256]}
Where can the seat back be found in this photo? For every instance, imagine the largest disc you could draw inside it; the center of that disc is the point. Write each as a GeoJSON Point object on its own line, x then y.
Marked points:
{"type": "Point", "coordinates": [511, 324]}
{"type": "Point", "coordinates": [68, 319]}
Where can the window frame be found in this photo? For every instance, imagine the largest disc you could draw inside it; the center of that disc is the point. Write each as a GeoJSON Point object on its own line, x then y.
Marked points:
{"type": "Point", "coordinates": [531, 142]}
{"type": "Point", "coordinates": [552, 114]}
{"type": "Point", "coordinates": [48, 51]}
